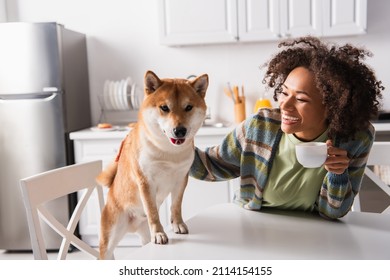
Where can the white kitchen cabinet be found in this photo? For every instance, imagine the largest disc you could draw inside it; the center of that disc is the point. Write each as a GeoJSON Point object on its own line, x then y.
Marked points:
{"type": "Point", "coordinates": [300, 18]}
{"type": "Point", "coordinates": [258, 20]}
{"type": "Point", "coordinates": [344, 17]}
{"type": "Point", "coordinates": [187, 22]}
{"type": "Point", "coordinates": [90, 145]}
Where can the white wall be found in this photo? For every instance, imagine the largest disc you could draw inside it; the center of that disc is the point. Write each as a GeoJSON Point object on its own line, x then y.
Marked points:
{"type": "Point", "coordinates": [3, 16]}
{"type": "Point", "coordinates": [123, 40]}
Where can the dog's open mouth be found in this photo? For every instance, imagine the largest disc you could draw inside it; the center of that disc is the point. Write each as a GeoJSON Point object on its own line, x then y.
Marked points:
{"type": "Point", "coordinates": [177, 141]}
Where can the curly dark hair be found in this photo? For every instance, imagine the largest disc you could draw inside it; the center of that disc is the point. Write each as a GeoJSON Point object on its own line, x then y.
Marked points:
{"type": "Point", "coordinates": [350, 90]}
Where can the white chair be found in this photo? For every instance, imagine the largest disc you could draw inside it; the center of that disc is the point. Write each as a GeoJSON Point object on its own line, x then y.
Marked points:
{"type": "Point", "coordinates": [379, 155]}
{"type": "Point", "coordinates": [42, 188]}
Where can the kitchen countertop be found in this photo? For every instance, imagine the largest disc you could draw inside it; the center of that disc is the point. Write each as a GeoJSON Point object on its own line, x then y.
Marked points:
{"type": "Point", "coordinates": [203, 131]}
{"type": "Point", "coordinates": [382, 126]}
{"type": "Point", "coordinates": [121, 132]}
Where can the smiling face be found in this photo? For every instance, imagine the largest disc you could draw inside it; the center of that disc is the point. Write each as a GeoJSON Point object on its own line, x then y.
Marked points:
{"type": "Point", "coordinates": [303, 113]}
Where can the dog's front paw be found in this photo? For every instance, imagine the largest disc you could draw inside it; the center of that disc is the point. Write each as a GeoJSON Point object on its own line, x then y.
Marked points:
{"type": "Point", "coordinates": [180, 228]}
{"type": "Point", "coordinates": [160, 238]}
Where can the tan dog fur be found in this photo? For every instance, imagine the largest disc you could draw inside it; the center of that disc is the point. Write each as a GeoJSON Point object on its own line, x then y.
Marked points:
{"type": "Point", "coordinates": [153, 161]}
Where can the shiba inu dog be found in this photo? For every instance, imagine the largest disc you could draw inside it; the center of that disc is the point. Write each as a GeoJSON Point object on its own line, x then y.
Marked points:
{"type": "Point", "coordinates": [153, 162]}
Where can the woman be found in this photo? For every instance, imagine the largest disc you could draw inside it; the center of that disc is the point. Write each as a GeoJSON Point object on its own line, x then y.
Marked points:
{"type": "Point", "coordinates": [326, 94]}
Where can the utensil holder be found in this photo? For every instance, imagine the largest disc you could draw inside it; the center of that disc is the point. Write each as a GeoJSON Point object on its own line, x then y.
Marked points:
{"type": "Point", "coordinates": [239, 111]}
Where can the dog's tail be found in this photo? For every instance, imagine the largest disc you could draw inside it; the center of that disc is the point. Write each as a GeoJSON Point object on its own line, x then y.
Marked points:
{"type": "Point", "coordinates": [106, 177]}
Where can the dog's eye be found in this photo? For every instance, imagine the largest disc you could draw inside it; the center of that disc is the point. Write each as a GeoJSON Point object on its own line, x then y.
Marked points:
{"type": "Point", "coordinates": [188, 108]}
{"type": "Point", "coordinates": [164, 108]}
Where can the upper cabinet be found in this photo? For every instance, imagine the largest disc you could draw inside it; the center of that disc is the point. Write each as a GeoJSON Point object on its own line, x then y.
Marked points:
{"type": "Point", "coordinates": [258, 20]}
{"type": "Point", "coordinates": [344, 17]}
{"type": "Point", "coordinates": [301, 17]}
{"type": "Point", "coordinates": [188, 22]}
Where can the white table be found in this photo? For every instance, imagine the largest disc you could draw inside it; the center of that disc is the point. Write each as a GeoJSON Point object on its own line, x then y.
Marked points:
{"type": "Point", "coordinates": [227, 231]}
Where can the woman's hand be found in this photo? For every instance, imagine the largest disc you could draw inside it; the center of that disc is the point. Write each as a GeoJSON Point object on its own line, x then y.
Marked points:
{"type": "Point", "coordinates": [337, 160]}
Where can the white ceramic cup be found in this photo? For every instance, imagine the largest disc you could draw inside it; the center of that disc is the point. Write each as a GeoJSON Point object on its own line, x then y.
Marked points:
{"type": "Point", "coordinates": [311, 154]}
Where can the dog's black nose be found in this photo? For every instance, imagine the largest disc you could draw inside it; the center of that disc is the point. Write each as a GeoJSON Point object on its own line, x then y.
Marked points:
{"type": "Point", "coordinates": [180, 131]}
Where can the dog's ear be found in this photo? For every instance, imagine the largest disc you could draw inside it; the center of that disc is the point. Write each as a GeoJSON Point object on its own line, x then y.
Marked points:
{"type": "Point", "coordinates": [152, 82]}
{"type": "Point", "coordinates": [200, 84]}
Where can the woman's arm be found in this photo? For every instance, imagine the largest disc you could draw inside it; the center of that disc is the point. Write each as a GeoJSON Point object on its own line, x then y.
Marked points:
{"type": "Point", "coordinates": [344, 177]}
{"type": "Point", "coordinates": [220, 162]}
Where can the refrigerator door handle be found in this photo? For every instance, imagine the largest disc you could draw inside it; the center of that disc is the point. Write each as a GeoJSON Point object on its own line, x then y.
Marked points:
{"type": "Point", "coordinates": [47, 96]}
{"type": "Point", "coordinates": [50, 89]}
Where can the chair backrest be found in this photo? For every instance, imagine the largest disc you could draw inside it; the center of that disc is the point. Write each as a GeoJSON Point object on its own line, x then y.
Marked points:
{"type": "Point", "coordinates": [379, 156]}
{"type": "Point", "coordinates": [44, 187]}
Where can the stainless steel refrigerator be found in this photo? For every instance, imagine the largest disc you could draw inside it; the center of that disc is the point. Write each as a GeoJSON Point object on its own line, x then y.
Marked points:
{"type": "Point", "coordinates": [44, 95]}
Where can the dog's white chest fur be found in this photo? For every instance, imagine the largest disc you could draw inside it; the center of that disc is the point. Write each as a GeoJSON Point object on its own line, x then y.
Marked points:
{"type": "Point", "coordinates": [165, 171]}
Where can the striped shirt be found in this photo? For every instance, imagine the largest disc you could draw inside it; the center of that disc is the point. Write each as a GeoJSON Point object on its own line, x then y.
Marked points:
{"type": "Point", "coordinates": [249, 151]}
